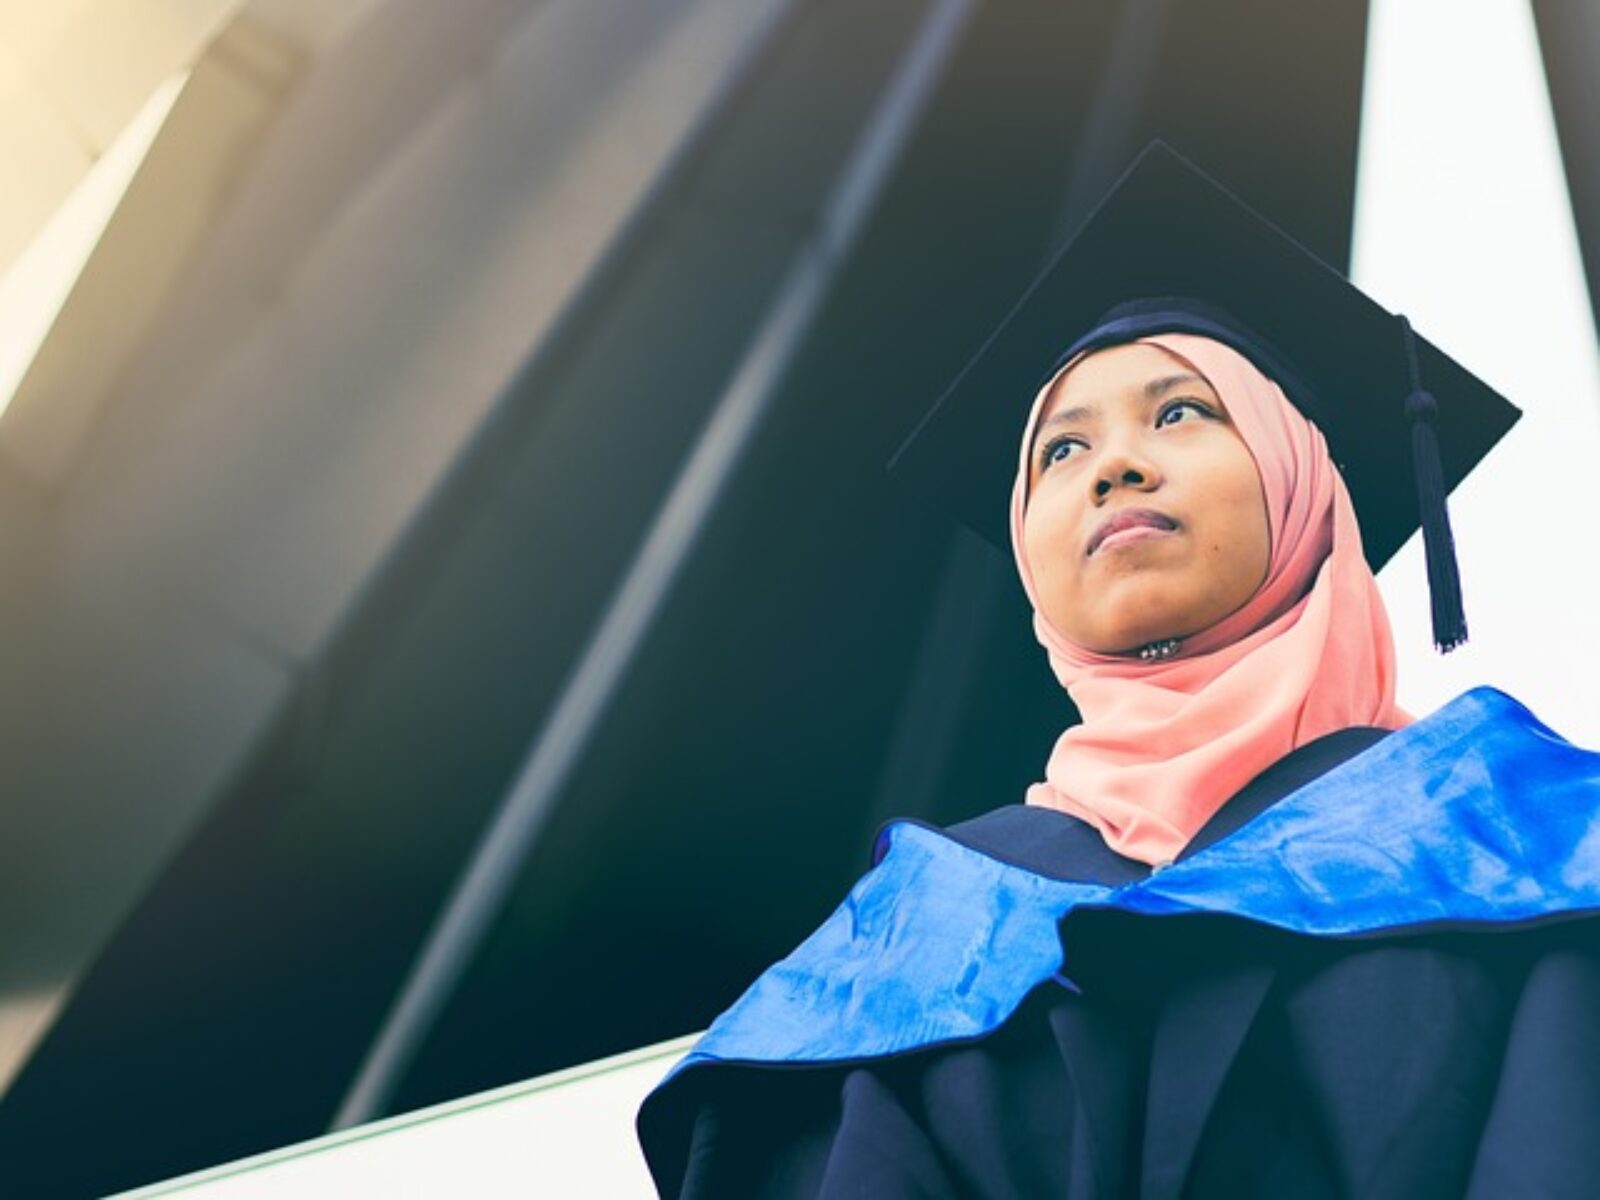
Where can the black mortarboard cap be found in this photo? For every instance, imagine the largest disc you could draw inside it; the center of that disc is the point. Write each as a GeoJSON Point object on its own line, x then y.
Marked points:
{"type": "Point", "coordinates": [1169, 249]}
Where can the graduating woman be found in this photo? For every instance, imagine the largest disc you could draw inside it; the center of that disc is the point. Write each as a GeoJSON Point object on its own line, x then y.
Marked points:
{"type": "Point", "coordinates": [1257, 931]}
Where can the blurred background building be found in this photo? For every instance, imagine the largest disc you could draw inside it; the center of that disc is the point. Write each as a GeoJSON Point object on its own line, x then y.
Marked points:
{"type": "Point", "coordinates": [418, 412]}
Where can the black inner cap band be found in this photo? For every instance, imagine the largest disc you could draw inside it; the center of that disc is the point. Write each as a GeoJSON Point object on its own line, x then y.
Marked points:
{"type": "Point", "coordinates": [1135, 319]}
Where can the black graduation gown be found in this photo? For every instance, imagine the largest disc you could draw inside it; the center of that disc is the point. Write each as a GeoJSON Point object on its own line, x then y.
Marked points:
{"type": "Point", "coordinates": [1197, 1055]}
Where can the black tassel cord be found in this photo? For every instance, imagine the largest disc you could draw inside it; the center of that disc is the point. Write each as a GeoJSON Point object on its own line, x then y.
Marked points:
{"type": "Point", "coordinates": [1444, 574]}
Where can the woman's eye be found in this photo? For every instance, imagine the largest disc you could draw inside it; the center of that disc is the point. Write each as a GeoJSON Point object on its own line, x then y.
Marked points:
{"type": "Point", "coordinates": [1057, 450]}
{"type": "Point", "coordinates": [1181, 410]}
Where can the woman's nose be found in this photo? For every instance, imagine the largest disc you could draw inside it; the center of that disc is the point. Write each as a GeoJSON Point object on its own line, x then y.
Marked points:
{"type": "Point", "coordinates": [1124, 470]}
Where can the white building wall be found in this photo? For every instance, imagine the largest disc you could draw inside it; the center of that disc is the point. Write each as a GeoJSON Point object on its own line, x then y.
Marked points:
{"type": "Point", "coordinates": [439, 183]}
{"type": "Point", "coordinates": [1463, 222]}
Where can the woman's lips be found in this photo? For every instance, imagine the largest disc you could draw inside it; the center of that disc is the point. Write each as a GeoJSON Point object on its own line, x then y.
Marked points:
{"type": "Point", "coordinates": [1134, 525]}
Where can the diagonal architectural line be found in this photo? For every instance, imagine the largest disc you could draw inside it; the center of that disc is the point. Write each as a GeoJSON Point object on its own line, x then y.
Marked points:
{"type": "Point", "coordinates": [480, 893]}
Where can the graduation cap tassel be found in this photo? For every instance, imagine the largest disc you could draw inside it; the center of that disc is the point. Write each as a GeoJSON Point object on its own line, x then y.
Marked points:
{"type": "Point", "coordinates": [1444, 574]}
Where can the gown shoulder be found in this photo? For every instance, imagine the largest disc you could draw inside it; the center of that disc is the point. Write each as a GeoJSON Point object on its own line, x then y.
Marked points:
{"type": "Point", "coordinates": [1007, 1006]}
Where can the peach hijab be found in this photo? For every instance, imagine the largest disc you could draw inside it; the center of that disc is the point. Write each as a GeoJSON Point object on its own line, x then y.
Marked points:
{"type": "Point", "coordinates": [1164, 744]}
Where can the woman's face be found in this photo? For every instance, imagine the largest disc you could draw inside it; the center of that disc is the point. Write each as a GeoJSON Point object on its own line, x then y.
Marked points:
{"type": "Point", "coordinates": [1145, 518]}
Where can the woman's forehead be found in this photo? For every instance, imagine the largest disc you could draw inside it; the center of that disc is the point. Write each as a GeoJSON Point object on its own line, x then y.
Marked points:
{"type": "Point", "coordinates": [1131, 370]}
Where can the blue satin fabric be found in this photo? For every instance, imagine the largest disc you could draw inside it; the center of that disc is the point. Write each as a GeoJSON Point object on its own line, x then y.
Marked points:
{"type": "Point", "coordinates": [1477, 814]}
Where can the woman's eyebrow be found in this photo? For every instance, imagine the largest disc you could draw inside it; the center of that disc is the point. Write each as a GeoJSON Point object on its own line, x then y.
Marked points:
{"type": "Point", "coordinates": [1083, 412]}
{"type": "Point", "coordinates": [1156, 386]}
{"type": "Point", "coordinates": [1069, 416]}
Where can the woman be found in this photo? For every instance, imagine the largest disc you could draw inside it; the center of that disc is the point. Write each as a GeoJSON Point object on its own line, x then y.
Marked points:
{"type": "Point", "coordinates": [1256, 932]}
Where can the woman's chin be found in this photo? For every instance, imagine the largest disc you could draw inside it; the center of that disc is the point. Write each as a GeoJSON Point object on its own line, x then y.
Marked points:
{"type": "Point", "coordinates": [1132, 646]}
{"type": "Point", "coordinates": [1136, 618]}
{"type": "Point", "coordinates": [1129, 640]}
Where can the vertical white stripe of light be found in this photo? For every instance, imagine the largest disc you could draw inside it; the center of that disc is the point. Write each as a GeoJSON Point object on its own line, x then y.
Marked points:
{"type": "Point", "coordinates": [1463, 222]}
{"type": "Point", "coordinates": [34, 289]}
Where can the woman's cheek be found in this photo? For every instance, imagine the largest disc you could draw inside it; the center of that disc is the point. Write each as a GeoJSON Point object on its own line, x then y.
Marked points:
{"type": "Point", "coordinates": [1038, 537]}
